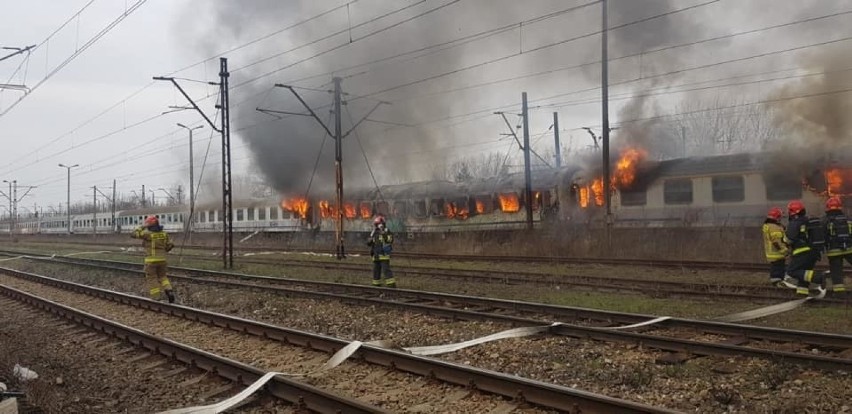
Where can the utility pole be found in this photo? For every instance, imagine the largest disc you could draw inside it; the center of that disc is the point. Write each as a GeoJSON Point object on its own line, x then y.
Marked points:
{"type": "Point", "coordinates": [338, 135]}
{"type": "Point", "coordinates": [683, 140]}
{"type": "Point", "coordinates": [68, 212]}
{"type": "Point", "coordinates": [605, 119]}
{"type": "Point", "coordinates": [191, 177]}
{"type": "Point", "coordinates": [11, 208]}
{"type": "Point", "coordinates": [114, 224]}
{"type": "Point", "coordinates": [112, 203]}
{"type": "Point", "coordinates": [556, 140]}
{"type": "Point", "coordinates": [225, 130]}
{"type": "Point", "coordinates": [527, 173]}
{"type": "Point", "coordinates": [227, 197]}
{"type": "Point", "coordinates": [338, 168]}
{"type": "Point", "coordinates": [94, 211]}
{"type": "Point", "coordinates": [143, 196]}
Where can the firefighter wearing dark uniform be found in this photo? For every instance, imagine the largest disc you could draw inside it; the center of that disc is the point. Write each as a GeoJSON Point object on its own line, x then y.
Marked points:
{"type": "Point", "coordinates": [774, 247]}
{"type": "Point", "coordinates": [156, 244]}
{"type": "Point", "coordinates": [838, 243]}
{"type": "Point", "coordinates": [805, 254]}
{"type": "Point", "coordinates": [381, 245]}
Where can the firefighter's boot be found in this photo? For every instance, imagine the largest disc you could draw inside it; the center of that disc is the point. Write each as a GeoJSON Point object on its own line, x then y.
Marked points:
{"type": "Point", "coordinates": [170, 294]}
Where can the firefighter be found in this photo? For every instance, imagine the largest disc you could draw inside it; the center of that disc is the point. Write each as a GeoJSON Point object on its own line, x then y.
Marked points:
{"type": "Point", "coordinates": [156, 244]}
{"type": "Point", "coordinates": [805, 238]}
{"type": "Point", "coordinates": [775, 248]}
{"type": "Point", "coordinates": [381, 245]}
{"type": "Point", "coordinates": [838, 243]}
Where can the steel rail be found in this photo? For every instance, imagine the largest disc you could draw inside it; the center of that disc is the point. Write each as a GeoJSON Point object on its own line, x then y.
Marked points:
{"type": "Point", "coordinates": [654, 288]}
{"type": "Point", "coordinates": [691, 264]}
{"type": "Point", "coordinates": [522, 389]}
{"type": "Point", "coordinates": [299, 394]}
{"type": "Point", "coordinates": [442, 305]}
{"type": "Point", "coordinates": [484, 303]}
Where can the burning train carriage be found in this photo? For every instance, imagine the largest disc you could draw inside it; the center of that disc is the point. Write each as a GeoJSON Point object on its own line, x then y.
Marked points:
{"type": "Point", "coordinates": [726, 190]}
{"type": "Point", "coordinates": [497, 203]}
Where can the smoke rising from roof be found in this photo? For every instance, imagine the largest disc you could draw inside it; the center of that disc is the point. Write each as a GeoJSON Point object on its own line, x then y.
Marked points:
{"type": "Point", "coordinates": [633, 130]}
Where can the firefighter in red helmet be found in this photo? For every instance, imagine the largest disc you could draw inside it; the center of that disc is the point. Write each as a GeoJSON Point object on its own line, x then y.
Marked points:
{"type": "Point", "coordinates": [774, 247]}
{"type": "Point", "coordinates": [838, 243]}
{"type": "Point", "coordinates": [156, 244]}
{"type": "Point", "coordinates": [381, 245]}
{"type": "Point", "coordinates": [806, 238]}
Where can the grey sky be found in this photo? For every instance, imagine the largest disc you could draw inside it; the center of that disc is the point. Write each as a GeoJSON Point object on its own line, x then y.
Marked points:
{"type": "Point", "coordinates": [163, 36]}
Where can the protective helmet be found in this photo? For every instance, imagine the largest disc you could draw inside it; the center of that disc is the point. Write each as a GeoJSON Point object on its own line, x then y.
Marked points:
{"type": "Point", "coordinates": [378, 220]}
{"type": "Point", "coordinates": [774, 213]}
{"type": "Point", "coordinates": [833, 203]}
{"type": "Point", "coordinates": [795, 207]}
{"type": "Point", "coordinates": [152, 221]}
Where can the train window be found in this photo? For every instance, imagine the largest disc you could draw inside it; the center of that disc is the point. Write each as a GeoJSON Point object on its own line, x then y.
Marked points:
{"type": "Point", "coordinates": [436, 207]}
{"type": "Point", "coordinates": [420, 208]}
{"type": "Point", "coordinates": [400, 208]}
{"type": "Point", "coordinates": [677, 191]}
{"type": "Point", "coordinates": [633, 197]}
{"type": "Point", "coordinates": [273, 213]}
{"type": "Point", "coordinates": [250, 214]}
{"type": "Point", "coordinates": [240, 214]}
{"type": "Point", "coordinates": [783, 188]}
{"type": "Point", "coordinates": [383, 208]}
{"type": "Point", "coordinates": [728, 189]}
{"type": "Point", "coordinates": [483, 205]}
{"type": "Point", "coordinates": [261, 213]}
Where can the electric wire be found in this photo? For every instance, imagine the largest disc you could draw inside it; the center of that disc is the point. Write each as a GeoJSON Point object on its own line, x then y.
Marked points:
{"type": "Point", "coordinates": [78, 52]}
{"type": "Point", "coordinates": [364, 153]}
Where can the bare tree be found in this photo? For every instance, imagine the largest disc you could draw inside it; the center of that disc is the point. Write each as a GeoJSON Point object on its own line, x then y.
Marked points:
{"type": "Point", "coordinates": [720, 126]}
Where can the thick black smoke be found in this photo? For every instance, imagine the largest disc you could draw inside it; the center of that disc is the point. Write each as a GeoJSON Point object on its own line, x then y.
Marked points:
{"type": "Point", "coordinates": [285, 151]}
{"type": "Point", "coordinates": [636, 33]}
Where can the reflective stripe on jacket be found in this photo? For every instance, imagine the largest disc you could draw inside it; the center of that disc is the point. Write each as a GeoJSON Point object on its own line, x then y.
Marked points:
{"type": "Point", "coordinates": [833, 251]}
{"type": "Point", "coordinates": [773, 241]}
{"type": "Point", "coordinates": [796, 235]}
{"type": "Point", "coordinates": [380, 244]}
{"type": "Point", "coordinates": [155, 243]}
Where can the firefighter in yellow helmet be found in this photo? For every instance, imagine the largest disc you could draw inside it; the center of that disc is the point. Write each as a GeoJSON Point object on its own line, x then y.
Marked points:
{"type": "Point", "coordinates": [156, 244]}
{"type": "Point", "coordinates": [381, 245]}
{"type": "Point", "coordinates": [774, 247]}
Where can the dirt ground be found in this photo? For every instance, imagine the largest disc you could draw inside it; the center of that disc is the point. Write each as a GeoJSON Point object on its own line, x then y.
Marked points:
{"type": "Point", "coordinates": [81, 371]}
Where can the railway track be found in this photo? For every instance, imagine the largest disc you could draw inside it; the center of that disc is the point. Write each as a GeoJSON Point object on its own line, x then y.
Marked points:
{"type": "Point", "coordinates": [677, 264]}
{"type": "Point", "coordinates": [652, 288]}
{"type": "Point", "coordinates": [298, 394]}
{"type": "Point", "coordinates": [820, 350]}
{"type": "Point", "coordinates": [517, 389]}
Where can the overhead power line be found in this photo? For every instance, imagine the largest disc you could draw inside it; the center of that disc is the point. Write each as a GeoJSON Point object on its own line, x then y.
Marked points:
{"type": "Point", "coordinates": [76, 53]}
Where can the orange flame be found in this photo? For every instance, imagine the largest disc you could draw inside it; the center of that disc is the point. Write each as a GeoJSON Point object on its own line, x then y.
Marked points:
{"type": "Point", "coordinates": [326, 210]}
{"type": "Point", "coordinates": [598, 190]}
{"type": "Point", "coordinates": [366, 211]}
{"type": "Point", "coordinates": [451, 210]}
{"type": "Point", "coordinates": [349, 210]}
{"type": "Point", "coordinates": [584, 197]}
{"type": "Point", "coordinates": [834, 181]}
{"type": "Point", "coordinates": [298, 205]}
{"type": "Point", "coordinates": [480, 207]}
{"type": "Point", "coordinates": [509, 203]}
{"type": "Point", "coordinates": [626, 166]}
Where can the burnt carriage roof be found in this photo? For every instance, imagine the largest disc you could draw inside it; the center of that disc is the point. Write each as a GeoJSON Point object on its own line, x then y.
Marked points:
{"type": "Point", "coordinates": [719, 164]}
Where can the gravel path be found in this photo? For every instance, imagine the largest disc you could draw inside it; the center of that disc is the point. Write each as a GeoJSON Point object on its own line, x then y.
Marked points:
{"type": "Point", "coordinates": [391, 390]}
{"type": "Point", "coordinates": [82, 371]}
{"type": "Point", "coordinates": [699, 385]}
